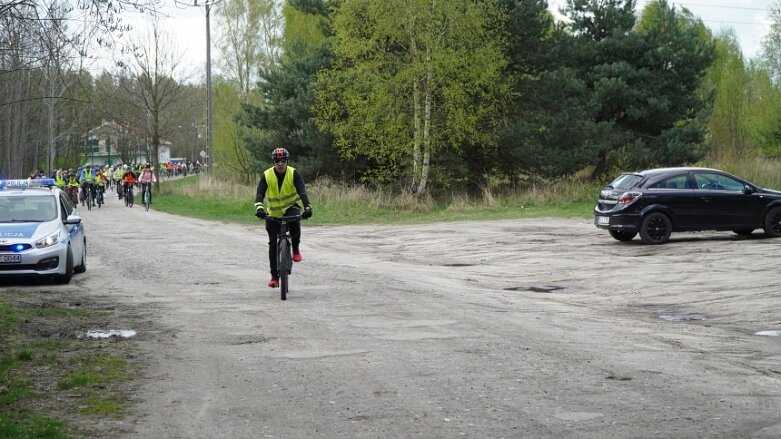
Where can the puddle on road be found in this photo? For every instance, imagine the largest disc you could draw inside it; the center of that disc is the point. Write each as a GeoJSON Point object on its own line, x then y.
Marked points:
{"type": "Point", "coordinates": [120, 333]}
{"type": "Point", "coordinates": [536, 289]}
{"type": "Point", "coordinates": [769, 333]}
{"type": "Point", "coordinates": [682, 317]}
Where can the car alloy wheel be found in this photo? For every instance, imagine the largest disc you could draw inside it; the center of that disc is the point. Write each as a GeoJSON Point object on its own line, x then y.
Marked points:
{"type": "Point", "coordinates": [773, 222]}
{"type": "Point", "coordinates": [655, 228]}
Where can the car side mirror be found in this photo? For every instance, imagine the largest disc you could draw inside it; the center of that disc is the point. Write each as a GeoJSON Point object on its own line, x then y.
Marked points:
{"type": "Point", "coordinates": [748, 190]}
{"type": "Point", "coordinates": [73, 219]}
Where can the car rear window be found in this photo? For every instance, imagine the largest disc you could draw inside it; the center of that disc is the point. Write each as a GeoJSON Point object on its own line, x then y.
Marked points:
{"type": "Point", "coordinates": [674, 182]}
{"type": "Point", "coordinates": [626, 181]}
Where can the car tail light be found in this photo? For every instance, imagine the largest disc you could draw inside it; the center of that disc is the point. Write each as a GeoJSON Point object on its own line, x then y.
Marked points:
{"type": "Point", "coordinates": [628, 197]}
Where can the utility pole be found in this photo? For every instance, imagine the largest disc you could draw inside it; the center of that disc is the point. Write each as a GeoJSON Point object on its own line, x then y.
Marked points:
{"type": "Point", "coordinates": [207, 160]}
{"type": "Point", "coordinates": [208, 92]}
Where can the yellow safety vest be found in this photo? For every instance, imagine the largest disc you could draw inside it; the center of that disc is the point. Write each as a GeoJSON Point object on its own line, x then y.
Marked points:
{"type": "Point", "coordinates": [88, 177]}
{"type": "Point", "coordinates": [279, 200]}
{"type": "Point", "coordinates": [59, 181]}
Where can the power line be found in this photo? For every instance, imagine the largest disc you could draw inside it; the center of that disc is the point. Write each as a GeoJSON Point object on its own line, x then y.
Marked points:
{"type": "Point", "coordinates": [717, 21]}
{"type": "Point", "coordinates": [742, 23]}
{"type": "Point", "coordinates": [721, 6]}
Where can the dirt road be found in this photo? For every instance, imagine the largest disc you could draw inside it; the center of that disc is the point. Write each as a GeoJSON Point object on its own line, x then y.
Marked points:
{"type": "Point", "coordinates": [510, 329]}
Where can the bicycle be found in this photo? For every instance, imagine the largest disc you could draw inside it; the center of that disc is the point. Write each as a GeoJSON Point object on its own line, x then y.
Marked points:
{"type": "Point", "coordinates": [99, 196]}
{"type": "Point", "coordinates": [73, 193]}
{"type": "Point", "coordinates": [284, 251]}
{"type": "Point", "coordinates": [129, 195]}
{"type": "Point", "coordinates": [146, 195]}
{"type": "Point", "coordinates": [88, 197]}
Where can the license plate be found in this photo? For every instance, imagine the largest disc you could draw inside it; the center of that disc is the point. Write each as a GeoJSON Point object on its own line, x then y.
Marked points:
{"type": "Point", "coordinates": [603, 220]}
{"type": "Point", "coordinates": [10, 259]}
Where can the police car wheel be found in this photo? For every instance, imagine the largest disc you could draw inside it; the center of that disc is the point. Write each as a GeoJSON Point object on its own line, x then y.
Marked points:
{"type": "Point", "coordinates": [81, 268]}
{"type": "Point", "coordinates": [66, 278]}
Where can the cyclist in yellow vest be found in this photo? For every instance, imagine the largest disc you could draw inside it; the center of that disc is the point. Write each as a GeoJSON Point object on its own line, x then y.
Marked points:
{"type": "Point", "coordinates": [59, 179]}
{"type": "Point", "coordinates": [283, 190]}
{"type": "Point", "coordinates": [101, 182]}
{"type": "Point", "coordinates": [118, 172]}
{"type": "Point", "coordinates": [87, 180]}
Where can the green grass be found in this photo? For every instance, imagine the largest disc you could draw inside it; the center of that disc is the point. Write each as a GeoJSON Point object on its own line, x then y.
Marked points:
{"type": "Point", "coordinates": [17, 390]}
{"type": "Point", "coordinates": [209, 198]}
{"type": "Point", "coordinates": [26, 426]}
{"type": "Point", "coordinates": [29, 406]}
{"type": "Point", "coordinates": [8, 319]}
{"type": "Point", "coordinates": [102, 406]}
{"type": "Point", "coordinates": [212, 199]}
{"type": "Point", "coordinates": [94, 370]}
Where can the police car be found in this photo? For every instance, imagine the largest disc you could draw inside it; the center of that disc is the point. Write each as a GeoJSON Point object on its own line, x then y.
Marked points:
{"type": "Point", "coordinates": [39, 233]}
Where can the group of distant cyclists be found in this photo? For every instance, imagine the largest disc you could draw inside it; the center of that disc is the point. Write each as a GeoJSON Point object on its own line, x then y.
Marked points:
{"type": "Point", "coordinates": [90, 183]}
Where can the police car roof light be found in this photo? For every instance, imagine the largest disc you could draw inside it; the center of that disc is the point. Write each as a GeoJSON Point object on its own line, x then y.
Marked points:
{"type": "Point", "coordinates": [24, 184]}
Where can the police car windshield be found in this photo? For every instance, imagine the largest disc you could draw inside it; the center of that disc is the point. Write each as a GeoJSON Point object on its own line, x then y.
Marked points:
{"type": "Point", "coordinates": [33, 209]}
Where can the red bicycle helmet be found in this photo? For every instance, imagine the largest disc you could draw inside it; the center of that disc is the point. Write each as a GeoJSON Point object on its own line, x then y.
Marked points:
{"type": "Point", "coordinates": [280, 154]}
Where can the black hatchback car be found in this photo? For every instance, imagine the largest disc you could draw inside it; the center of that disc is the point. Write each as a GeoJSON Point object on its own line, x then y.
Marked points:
{"type": "Point", "coordinates": [657, 202]}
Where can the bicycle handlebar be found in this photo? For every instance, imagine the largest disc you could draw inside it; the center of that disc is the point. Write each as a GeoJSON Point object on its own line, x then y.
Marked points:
{"type": "Point", "coordinates": [280, 219]}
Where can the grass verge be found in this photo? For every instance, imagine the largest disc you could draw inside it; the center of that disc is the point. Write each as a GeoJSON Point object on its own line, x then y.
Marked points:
{"type": "Point", "coordinates": [212, 199]}
{"type": "Point", "coordinates": [50, 379]}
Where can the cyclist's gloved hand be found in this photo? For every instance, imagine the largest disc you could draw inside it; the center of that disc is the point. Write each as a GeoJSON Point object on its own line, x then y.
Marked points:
{"type": "Point", "coordinates": [307, 212]}
{"type": "Point", "coordinates": [260, 212]}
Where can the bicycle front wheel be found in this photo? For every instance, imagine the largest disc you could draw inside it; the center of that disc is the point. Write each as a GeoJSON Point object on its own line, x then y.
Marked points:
{"type": "Point", "coordinates": [146, 199]}
{"type": "Point", "coordinates": [89, 199]}
{"type": "Point", "coordinates": [283, 259]}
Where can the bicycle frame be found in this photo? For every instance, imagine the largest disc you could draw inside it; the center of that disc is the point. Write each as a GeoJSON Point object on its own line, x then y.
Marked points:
{"type": "Point", "coordinates": [88, 190]}
{"type": "Point", "coordinates": [284, 251]}
{"type": "Point", "coordinates": [128, 195]}
{"type": "Point", "coordinates": [146, 194]}
{"type": "Point", "coordinates": [99, 195]}
{"type": "Point", "coordinates": [73, 193]}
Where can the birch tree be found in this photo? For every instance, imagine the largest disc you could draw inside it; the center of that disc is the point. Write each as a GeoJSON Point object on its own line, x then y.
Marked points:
{"type": "Point", "coordinates": [728, 77]}
{"type": "Point", "coordinates": [250, 39]}
{"type": "Point", "coordinates": [412, 77]}
{"type": "Point", "coordinates": [250, 44]}
{"type": "Point", "coordinates": [770, 52]}
{"type": "Point", "coordinates": [154, 88]}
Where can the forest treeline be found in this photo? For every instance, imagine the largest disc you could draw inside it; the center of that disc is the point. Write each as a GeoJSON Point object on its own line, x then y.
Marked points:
{"type": "Point", "coordinates": [418, 95]}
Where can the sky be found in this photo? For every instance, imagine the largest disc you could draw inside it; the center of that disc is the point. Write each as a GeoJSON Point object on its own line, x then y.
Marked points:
{"type": "Point", "coordinates": [748, 19]}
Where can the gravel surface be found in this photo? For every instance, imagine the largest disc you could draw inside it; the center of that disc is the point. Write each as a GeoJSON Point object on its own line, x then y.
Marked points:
{"type": "Point", "coordinates": [543, 328]}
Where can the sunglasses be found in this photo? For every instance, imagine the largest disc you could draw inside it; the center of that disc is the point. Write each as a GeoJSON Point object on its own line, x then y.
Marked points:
{"type": "Point", "coordinates": [277, 162]}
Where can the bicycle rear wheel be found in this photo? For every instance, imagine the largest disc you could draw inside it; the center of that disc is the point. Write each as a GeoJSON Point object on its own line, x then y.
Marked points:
{"type": "Point", "coordinates": [283, 259]}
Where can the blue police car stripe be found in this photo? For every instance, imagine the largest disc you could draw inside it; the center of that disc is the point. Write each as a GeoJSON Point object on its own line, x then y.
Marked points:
{"type": "Point", "coordinates": [10, 231]}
